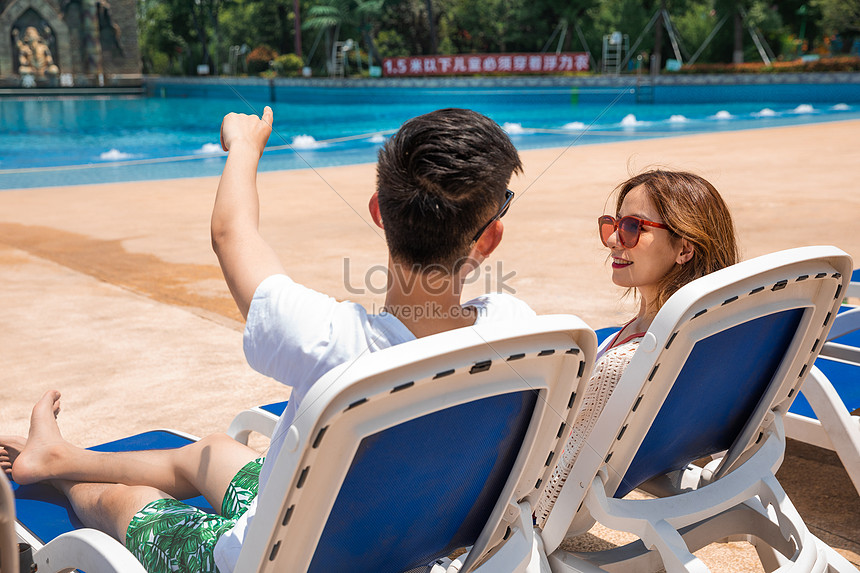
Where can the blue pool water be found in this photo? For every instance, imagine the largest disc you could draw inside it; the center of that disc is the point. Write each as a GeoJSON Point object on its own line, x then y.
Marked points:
{"type": "Point", "coordinates": [69, 141]}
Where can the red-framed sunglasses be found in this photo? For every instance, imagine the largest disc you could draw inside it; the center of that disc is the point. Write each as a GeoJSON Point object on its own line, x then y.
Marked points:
{"type": "Point", "coordinates": [629, 229]}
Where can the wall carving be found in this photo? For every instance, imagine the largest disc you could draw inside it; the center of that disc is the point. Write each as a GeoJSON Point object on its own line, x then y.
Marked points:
{"type": "Point", "coordinates": [68, 43]}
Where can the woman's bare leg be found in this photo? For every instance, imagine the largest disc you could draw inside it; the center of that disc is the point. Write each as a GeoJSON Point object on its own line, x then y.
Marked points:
{"type": "Point", "coordinates": [205, 467]}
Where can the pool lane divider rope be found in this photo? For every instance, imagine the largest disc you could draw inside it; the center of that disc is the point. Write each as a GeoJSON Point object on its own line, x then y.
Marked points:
{"type": "Point", "coordinates": [179, 158]}
{"type": "Point", "coordinates": [321, 143]}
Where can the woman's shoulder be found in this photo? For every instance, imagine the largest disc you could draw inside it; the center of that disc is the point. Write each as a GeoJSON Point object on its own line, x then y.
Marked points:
{"type": "Point", "coordinates": [618, 339]}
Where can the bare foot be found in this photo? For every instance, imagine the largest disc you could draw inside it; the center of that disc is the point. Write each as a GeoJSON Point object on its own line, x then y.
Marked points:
{"type": "Point", "coordinates": [10, 447]}
{"type": "Point", "coordinates": [44, 443]}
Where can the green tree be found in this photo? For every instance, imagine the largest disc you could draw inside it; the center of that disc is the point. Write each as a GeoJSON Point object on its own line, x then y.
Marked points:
{"type": "Point", "coordinates": [477, 27]}
{"type": "Point", "coordinates": [746, 14]}
{"type": "Point", "coordinates": [730, 22]}
{"type": "Point", "coordinates": [695, 25]}
{"type": "Point", "coordinates": [368, 13]}
{"type": "Point", "coordinates": [255, 23]}
{"type": "Point", "coordinates": [405, 25]}
{"type": "Point", "coordinates": [629, 17]}
{"type": "Point", "coordinates": [802, 21]}
{"type": "Point", "coordinates": [328, 17]}
{"type": "Point", "coordinates": [535, 22]}
{"type": "Point", "coordinates": [840, 17]}
{"type": "Point", "coordinates": [193, 24]}
{"type": "Point", "coordinates": [160, 44]}
{"type": "Point", "coordinates": [180, 33]}
{"type": "Point", "coordinates": [166, 29]}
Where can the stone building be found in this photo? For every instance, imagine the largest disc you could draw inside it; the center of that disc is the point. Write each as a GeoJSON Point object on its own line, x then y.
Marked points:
{"type": "Point", "coordinates": [66, 43]}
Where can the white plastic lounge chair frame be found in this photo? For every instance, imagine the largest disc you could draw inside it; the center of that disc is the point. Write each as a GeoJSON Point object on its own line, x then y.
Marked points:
{"type": "Point", "coordinates": [540, 364]}
{"type": "Point", "coordinates": [257, 419]}
{"type": "Point", "coordinates": [834, 427]}
{"type": "Point", "coordinates": [737, 493]}
{"type": "Point", "coordinates": [550, 355]}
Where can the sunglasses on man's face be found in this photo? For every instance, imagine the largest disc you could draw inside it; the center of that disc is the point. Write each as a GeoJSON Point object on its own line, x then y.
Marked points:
{"type": "Point", "coordinates": [509, 196]}
{"type": "Point", "coordinates": [629, 228]}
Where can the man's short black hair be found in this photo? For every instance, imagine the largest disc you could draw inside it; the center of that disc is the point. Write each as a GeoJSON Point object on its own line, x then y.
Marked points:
{"type": "Point", "coordinates": [440, 178]}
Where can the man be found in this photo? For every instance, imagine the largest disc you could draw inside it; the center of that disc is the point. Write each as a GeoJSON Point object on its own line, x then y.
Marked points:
{"type": "Point", "coordinates": [441, 192]}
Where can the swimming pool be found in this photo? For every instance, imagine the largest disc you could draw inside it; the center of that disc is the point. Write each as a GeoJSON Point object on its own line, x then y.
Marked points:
{"type": "Point", "coordinates": [69, 141]}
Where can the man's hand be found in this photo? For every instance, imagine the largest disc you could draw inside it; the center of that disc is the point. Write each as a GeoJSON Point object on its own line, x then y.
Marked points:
{"type": "Point", "coordinates": [246, 259]}
{"type": "Point", "coordinates": [242, 129]}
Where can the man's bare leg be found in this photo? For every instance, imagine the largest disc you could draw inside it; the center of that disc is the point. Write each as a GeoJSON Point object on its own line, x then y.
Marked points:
{"type": "Point", "coordinates": [108, 507]}
{"type": "Point", "coordinates": [205, 467]}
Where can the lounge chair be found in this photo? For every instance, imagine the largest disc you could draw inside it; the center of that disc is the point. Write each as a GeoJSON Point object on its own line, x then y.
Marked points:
{"type": "Point", "coordinates": [712, 380]}
{"type": "Point", "coordinates": [402, 457]}
{"type": "Point", "coordinates": [827, 413]}
{"type": "Point", "coordinates": [833, 385]}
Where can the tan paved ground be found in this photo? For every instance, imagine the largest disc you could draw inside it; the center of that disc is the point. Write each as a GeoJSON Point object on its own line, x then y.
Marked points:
{"type": "Point", "coordinates": [111, 292]}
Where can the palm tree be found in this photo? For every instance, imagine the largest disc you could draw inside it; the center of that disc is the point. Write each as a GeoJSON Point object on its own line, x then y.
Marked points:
{"type": "Point", "coordinates": [433, 45]}
{"type": "Point", "coordinates": [330, 16]}
{"type": "Point", "coordinates": [369, 11]}
{"type": "Point", "coordinates": [327, 17]}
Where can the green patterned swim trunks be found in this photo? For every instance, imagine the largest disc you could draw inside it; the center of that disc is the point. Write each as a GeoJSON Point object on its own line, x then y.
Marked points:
{"type": "Point", "coordinates": [168, 536]}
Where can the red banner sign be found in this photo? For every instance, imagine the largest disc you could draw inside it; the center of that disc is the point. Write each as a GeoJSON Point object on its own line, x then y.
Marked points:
{"type": "Point", "coordinates": [486, 64]}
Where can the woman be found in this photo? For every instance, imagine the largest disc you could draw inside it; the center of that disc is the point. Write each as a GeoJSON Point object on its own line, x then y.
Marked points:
{"type": "Point", "coordinates": [669, 229]}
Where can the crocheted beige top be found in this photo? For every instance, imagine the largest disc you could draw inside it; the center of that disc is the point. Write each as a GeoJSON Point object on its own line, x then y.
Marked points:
{"type": "Point", "coordinates": [607, 372]}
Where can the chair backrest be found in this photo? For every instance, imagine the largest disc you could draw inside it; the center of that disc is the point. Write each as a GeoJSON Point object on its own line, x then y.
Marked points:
{"type": "Point", "coordinates": [8, 540]}
{"type": "Point", "coordinates": [722, 354]}
{"type": "Point", "coordinates": [753, 353]}
{"type": "Point", "coordinates": [412, 452]}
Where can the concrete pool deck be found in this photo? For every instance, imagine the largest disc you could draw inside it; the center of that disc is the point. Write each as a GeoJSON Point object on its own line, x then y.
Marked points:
{"type": "Point", "coordinates": [111, 292]}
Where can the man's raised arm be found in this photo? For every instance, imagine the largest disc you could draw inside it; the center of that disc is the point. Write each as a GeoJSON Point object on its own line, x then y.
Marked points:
{"type": "Point", "coordinates": [246, 259]}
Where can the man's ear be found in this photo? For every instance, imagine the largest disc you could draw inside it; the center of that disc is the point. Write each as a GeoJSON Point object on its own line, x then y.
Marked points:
{"type": "Point", "coordinates": [373, 206]}
{"type": "Point", "coordinates": [686, 253]}
{"type": "Point", "coordinates": [490, 238]}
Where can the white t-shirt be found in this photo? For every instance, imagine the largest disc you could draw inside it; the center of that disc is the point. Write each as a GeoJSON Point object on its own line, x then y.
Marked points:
{"type": "Point", "coordinates": [295, 335]}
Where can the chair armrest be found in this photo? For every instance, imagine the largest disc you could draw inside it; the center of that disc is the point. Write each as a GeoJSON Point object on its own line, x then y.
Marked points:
{"type": "Point", "coordinates": [845, 323]}
{"type": "Point", "coordinates": [521, 552]}
{"type": "Point", "coordinates": [841, 352]}
{"type": "Point", "coordinates": [658, 522]}
{"type": "Point", "coordinates": [843, 429]}
{"type": "Point", "coordinates": [252, 420]}
{"type": "Point", "coordinates": [89, 550]}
